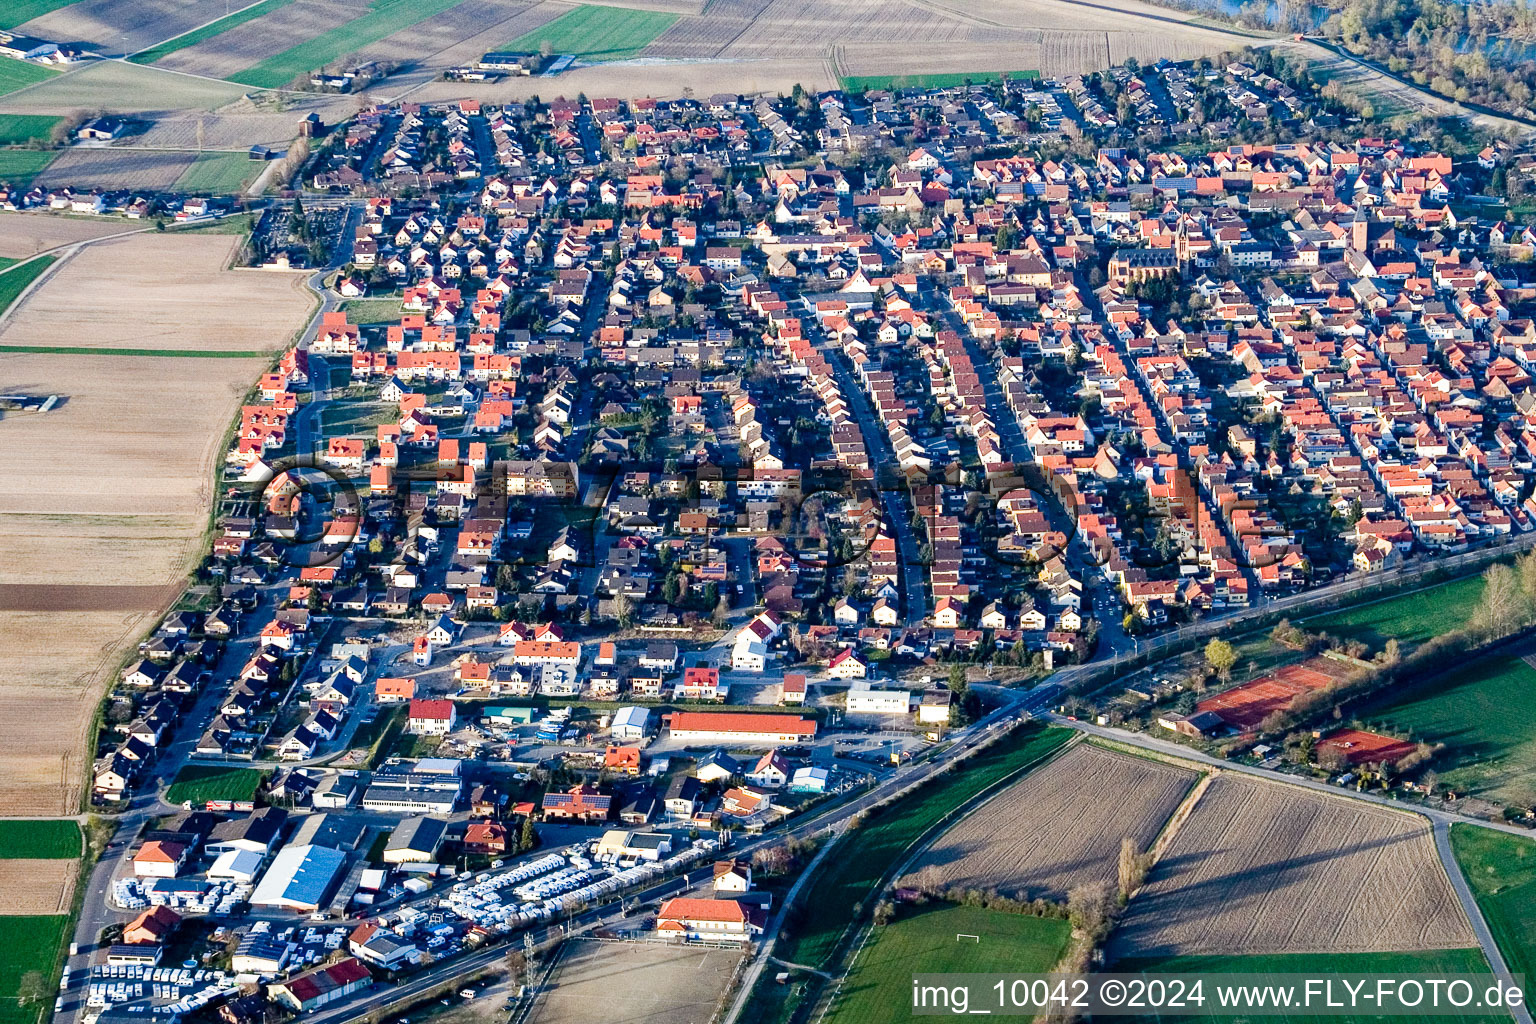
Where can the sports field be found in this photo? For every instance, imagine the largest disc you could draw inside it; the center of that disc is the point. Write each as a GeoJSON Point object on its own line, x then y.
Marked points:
{"type": "Point", "coordinates": [846, 881]}
{"type": "Point", "coordinates": [218, 173]}
{"type": "Point", "coordinates": [197, 35]}
{"type": "Point", "coordinates": [39, 840]}
{"type": "Point", "coordinates": [197, 784]}
{"type": "Point", "coordinates": [1485, 714]}
{"type": "Point", "coordinates": [1424, 963]}
{"type": "Point", "coordinates": [14, 280]}
{"type": "Point", "coordinates": [18, 74]}
{"type": "Point", "coordinates": [878, 987]}
{"type": "Point", "coordinates": [28, 944]}
{"type": "Point", "coordinates": [943, 80]}
{"type": "Point", "coordinates": [384, 17]}
{"type": "Point", "coordinates": [19, 129]}
{"type": "Point", "coordinates": [595, 32]}
{"type": "Point", "coordinates": [1410, 619]}
{"type": "Point", "coordinates": [1501, 869]}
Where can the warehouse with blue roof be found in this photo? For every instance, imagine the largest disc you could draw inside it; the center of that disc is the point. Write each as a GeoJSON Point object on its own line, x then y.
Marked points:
{"type": "Point", "coordinates": [301, 879]}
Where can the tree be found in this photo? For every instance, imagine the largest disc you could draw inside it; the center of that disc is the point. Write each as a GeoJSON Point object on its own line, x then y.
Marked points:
{"type": "Point", "coordinates": [527, 836]}
{"type": "Point", "coordinates": [1220, 657]}
{"type": "Point", "coordinates": [957, 681]}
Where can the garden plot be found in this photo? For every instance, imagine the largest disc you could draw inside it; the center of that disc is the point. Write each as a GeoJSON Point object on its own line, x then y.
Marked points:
{"type": "Point", "coordinates": [1262, 867]}
{"type": "Point", "coordinates": [1058, 827]}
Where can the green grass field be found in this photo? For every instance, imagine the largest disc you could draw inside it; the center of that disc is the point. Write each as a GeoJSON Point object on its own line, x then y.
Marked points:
{"type": "Point", "coordinates": [874, 849]}
{"type": "Point", "coordinates": [162, 50]}
{"type": "Point", "coordinates": [1411, 618]}
{"type": "Point", "coordinates": [218, 173]}
{"type": "Point", "coordinates": [942, 80]}
{"type": "Point", "coordinates": [15, 12]}
{"type": "Point", "coordinates": [18, 74]}
{"type": "Point", "coordinates": [28, 944]}
{"type": "Point", "coordinates": [1424, 963]}
{"type": "Point", "coordinates": [879, 984]}
{"type": "Point", "coordinates": [39, 840]}
{"type": "Point", "coordinates": [200, 783]}
{"type": "Point", "coordinates": [1501, 869]}
{"type": "Point", "coordinates": [595, 32]}
{"type": "Point", "coordinates": [372, 311]}
{"type": "Point", "coordinates": [20, 166]}
{"type": "Point", "coordinates": [1485, 714]}
{"type": "Point", "coordinates": [14, 280]}
{"type": "Point", "coordinates": [384, 17]}
{"type": "Point", "coordinates": [19, 129]}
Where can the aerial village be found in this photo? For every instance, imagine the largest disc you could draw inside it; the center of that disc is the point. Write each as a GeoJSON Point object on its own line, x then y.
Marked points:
{"type": "Point", "coordinates": [660, 472]}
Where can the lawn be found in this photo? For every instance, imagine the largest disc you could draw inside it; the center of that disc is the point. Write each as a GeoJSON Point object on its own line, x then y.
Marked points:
{"type": "Point", "coordinates": [218, 173]}
{"type": "Point", "coordinates": [197, 784]}
{"type": "Point", "coordinates": [14, 280]}
{"type": "Point", "coordinates": [161, 50]}
{"type": "Point", "coordinates": [28, 944]}
{"type": "Point", "coordinates": [595, 32]}
{"type": "Point", "coordinates": [373, 311]}
{"type": "Point", "coordinates": [1411, 618]}
{"type": "Point", "coordinates": [1501, 869]}
{"type": "Point", "coordinates": [18, 74]}
{"type": "Point", "coordinates": [1425, 963]}
{"type": "Point", "coordinates": [848, 880]}
{"type": "Point", "coordinates": [19, 129]}
{"type": "Point", "coordinates": [39, 840]}
{"type": "Point", "coordinates": [384, 17]}
{"type": "Point", "coordinates": [879, 984]}
{"type": "Point", "coordinates": [942, 80]}
{"type": "Point", "coordinates": [1485, 714]}
{"type": "Point", "coordinates": [20, 166]}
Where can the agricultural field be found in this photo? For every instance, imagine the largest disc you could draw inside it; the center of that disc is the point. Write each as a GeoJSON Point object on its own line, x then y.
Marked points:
{"type": "Point", "coordinates": [17, 12]}
{"type": "Point", "coordinates": [213, 28]}
{"type": "Point", "coordinates": [115, 28]}
{"type": "Point", "coordinates": [1040, 837]}
{"type": "Point", "coordinates": [218, 173]}
{"type": "Point", "coordinates": [20, 129]}
{"type": "Point", "coordinates": [14, 280]}
{"type": "Point", "coordinates": [17, 74]}
{"type": "Point", "coordinates": [27, 944]}
{"type": "Point", "coordinates": [37, 887]}
{"type": "Point", "coordinates": [1485, 714]}
{"type": "Point", "coordinates": [1260, 867]}
{"type": "Point", "coordinates": [878, 987]}
{"type": "Point", "coordinates": [232, 130]}
{"type": "Point", "coordinates": [123, 519]}
{"type": "Point", "coordinates": [23, 234]}
{"type": "Point", "coordinates": [843, 882]}
{"type": "Point", "coordinates": [117, 86]}
{"type": "Point", "coordinates": [383, 18]}
{"type": "Point", "coordinates": [197, 784]}
{"type": "Point", "coordinates": [39, 840]}
{"type": "Point", "coordinates": [1501, 869]}
{"type": "Point", "coordinates": [595, 32]}
{"type": "Point", "coordinates": [134, 169]}
{"type": "Point", "coordinates": [662, 984]}
{"type": "Point", "coordinates": [20, 166]}
{"type": "Point", "coordinates": [1428, 963]}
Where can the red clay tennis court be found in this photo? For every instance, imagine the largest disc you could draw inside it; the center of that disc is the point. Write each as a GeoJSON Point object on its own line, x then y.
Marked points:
{"type": "Point", "coordinates": [1246, 705]}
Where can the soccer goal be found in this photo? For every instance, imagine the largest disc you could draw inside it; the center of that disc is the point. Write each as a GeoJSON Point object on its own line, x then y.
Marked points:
{"type": "Point", "coordinates": [960, 936]}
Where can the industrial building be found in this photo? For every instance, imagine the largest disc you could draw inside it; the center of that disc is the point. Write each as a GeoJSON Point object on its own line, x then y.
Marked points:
{"type": "Point", "coordinates": [300, 879]}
